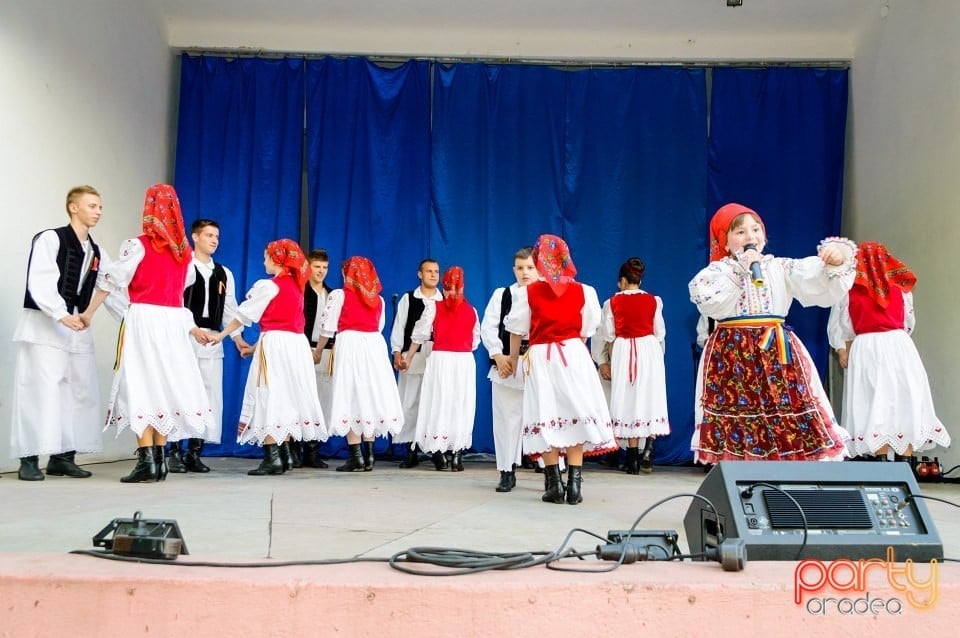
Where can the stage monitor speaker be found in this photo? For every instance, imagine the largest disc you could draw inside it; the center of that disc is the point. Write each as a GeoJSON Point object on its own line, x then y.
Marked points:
{"type": "Point", "coordinates": [852, 510]}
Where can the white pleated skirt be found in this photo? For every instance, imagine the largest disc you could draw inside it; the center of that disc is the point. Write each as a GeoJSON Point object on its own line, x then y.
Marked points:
{"type": "Point", "coordinates": [563, 403]}
{"type": "Point", "coordinates": [280, 397]}
{"type": "Point", "coordinates": [448, 402]}
{"type": "Point", "coordinates": [638, 390]}
{"type": "Point", "coordinates": [157, 381]}
{"type": "Point", "coordinates": [886, 396]}
{"type": "Point", "coordinates": [365, 398]}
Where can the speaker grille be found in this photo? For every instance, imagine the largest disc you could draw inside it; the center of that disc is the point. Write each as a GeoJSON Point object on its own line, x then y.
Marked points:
{"type": "Point", "coordinates": [824, 509]}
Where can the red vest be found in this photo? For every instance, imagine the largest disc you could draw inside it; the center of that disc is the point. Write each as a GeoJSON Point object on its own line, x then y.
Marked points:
{"type": "Point", "coordinates": [554, 319]}
{"type": "Point", "coordinates": [866, 315]}
{"type": "Point", "coordinates": [453, 329]}
{"type": "Point", "coordinates": [633, 314]}
{"type": "Point", "coordinates": [285, 311]}
{"type": "Point", "coordinates": [159, 279]}
{"type": "Point", "coordinates": [357, 316]}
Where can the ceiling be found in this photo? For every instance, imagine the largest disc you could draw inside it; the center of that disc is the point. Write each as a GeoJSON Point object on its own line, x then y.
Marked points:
{"type": "Point", "coordinates": [454, 26]}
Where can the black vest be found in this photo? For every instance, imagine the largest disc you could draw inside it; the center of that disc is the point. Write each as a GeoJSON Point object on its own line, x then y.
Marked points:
{"type": "Point", "coordinates": [70, 264]}
{"type": "Point", "coordinates": [310, 310]}
{"type": "Point", "coordinates": [415, 307]}
{"type": "Point", "coordinates": [195, 298]}
{"type": "Point", "coordinates": [506, 302]}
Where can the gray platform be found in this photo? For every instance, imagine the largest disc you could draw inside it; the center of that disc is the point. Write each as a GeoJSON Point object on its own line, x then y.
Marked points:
{"type": "Point", "coordinates": [323, 514]}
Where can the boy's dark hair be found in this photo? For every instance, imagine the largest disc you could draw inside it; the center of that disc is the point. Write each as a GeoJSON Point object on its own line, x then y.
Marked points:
{"type": "Point", "coordinates": [200, 224]}
{"type": "Point", "coordinates": [632, 270]}
{"type": "Point", "coordinates": [428, 260]}
{"type": "Point", "coordinates": [524, 253]}
{"type": "Point", "coordinates": [318, 254]}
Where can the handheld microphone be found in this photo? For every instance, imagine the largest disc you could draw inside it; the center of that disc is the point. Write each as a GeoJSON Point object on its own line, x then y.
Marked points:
{"type": "Point", "coordinates": [755, 272]}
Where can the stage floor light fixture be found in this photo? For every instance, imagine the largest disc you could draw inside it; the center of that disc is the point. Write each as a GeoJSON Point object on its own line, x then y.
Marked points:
{"type": "Point", "coordinates": [141, 537]}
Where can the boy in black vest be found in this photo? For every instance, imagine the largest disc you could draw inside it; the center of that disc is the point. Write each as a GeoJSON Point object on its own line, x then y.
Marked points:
{"type": "Point", "coordinates": [212, 300]}
{"type": "Point", "coordinates": [56, 397]}
{"type": "Point", "coordinates": [507, 383]}
{"type": "Point", "coordinates": [410, 375]}
{"type": "Point", "coordinates": [314, 301]}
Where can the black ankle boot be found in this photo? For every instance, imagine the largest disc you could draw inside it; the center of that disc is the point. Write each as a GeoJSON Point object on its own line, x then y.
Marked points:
{"type": "Point", "coordinates": [546, 481]}
{"type": "Point", "coordinates": [310, 455]}
{"type": "Point", "coordinates": [175, 463]}
{"type": "Point", "coordinates": [160, 462]}
{"type": "Point", "coordinates": [145, 471]}
{"type": "Point", "coordinates": [633, 461]}
{"type": "Point", "coordinates": [63, 465]}
{"type": "Point", "coordinates": [296, 453]}
{"type": "Point", "coordinates": [192, 461]}
{"type": "Point", "coordinates": [439, 461]}
{"type": "Point", "coordinates": [646, 457]}
{"type": "Point", "coordinates": [354, 460]}
{"type": "Point", "coordinates": [29, 469]}
{"type": "Point", "coordinates": [366, 449]}
{"type": "Point", "coordinates": [286, 459]}
{"type": "Point", "coordinates": [271, 463]}
{"type": "Point", "coordinates": [573, 485]}
{"type": "Point", "coordinates": [456, 461]}
{"type": "Point", "coordinates": [508, 481]}
{"type": "Point", "coordinates": [413, 457]}
{"type": "Point", "coordinates": [553, 493]}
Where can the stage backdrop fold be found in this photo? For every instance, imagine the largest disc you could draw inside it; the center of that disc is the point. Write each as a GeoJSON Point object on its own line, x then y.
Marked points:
{"type": "Point", "coordinates": [635, 173]}
{"type": "Point", "coordinates": [368, 171]}
{"type": "Point", "coordinates": [239, 150]}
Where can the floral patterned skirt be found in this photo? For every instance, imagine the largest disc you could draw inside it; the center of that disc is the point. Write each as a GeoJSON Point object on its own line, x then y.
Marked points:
{"type": "Point", "coordinates": [755, 406]}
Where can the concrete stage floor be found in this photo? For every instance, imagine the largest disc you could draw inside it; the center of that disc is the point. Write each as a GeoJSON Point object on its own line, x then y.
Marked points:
{"type": "Point", "coordinates": [322, 514]}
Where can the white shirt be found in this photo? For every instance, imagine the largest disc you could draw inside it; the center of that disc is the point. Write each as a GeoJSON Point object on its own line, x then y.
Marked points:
{"type": "Point", "coordinates": [423, 328]}
{"type": "Point", "coordinates": [321, 304]}
{"type": "Point", "coordinates": [724, 289]}
{"type": "Point", "coordinates": [517, 320]}
{"type": "Point", "coordinates": [215, 350]}
{"type": "Point", "coordinates": [43, 326]}
{"type": "Point", "coordinates": [840, 326]}
{"type": "Point", "coordinates": [490, 324]}
{"type": "Point", "coordinates": [607, 328]}
{"type": "Point", "coordinates": [116, 276]}
{"type": "Point", "coordinates": [332, 310]}
{"type": "Point", "coordinates": [403, 307]}
{"type": "Point", "coordinates": [258, 298]}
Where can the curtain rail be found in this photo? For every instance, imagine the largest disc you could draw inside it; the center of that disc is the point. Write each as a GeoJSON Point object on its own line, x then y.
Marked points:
{"type": "Point", "coordinates": [581, 63]}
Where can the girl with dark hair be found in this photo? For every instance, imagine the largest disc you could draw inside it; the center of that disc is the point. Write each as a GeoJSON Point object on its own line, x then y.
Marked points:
{"type": "Point", "coordinates": [634, 330]}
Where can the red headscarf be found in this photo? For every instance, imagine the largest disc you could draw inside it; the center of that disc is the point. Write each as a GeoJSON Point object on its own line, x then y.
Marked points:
{"type": "Point", "coordinates": [453, 283]}
{"type": "Point", "coordinates": [552, 258]}
{"type": "Point", "coordinates": [720, 226]}
{"type": "Point", "coordinates": [878, 270]}
{"type": "Point", "coordinates": [287, 254]}
{"type": "Point", "coordinates": [163, 221]}
{"type": "Point", "coordinates": [360, 276]}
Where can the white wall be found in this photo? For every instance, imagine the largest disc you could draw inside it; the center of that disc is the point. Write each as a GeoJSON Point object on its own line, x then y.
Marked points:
{"type": "Point", "coordinates": [902, 174]}
{"type": "Point", "coordinates": [87, 99]}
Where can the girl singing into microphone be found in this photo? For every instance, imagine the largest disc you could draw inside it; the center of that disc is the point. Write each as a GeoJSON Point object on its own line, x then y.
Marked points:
{"type": "Point", "coordinates": [758, 395]}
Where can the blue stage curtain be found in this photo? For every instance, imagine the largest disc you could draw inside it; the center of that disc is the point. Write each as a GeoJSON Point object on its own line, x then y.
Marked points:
{"type": "Point", "coordinates": [613, 160]}
{"type": "Point", "coordinates": [498, 147]}
{"type": "Point", "coordinates": [368, 166]}
{"type": "Point", "coordinates": [777, 140]}
{"type": "Point", "coordinates": [239, 158]}
{"type": "Point", "coordinates": [635, 173]}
